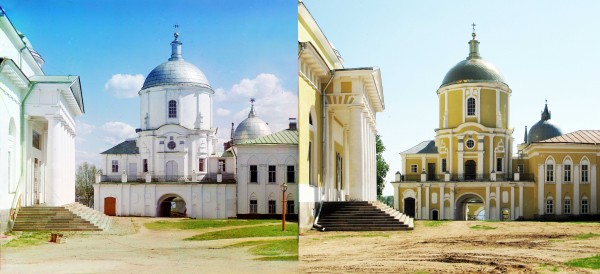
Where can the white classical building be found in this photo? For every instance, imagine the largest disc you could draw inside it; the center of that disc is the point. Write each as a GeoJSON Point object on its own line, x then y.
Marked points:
{"type": "Point", "coordinates": [265, 161]}
{"type": "Point", "coordinates": [37, 128]}
{"type": "Point", "coordinates": [174, 161]}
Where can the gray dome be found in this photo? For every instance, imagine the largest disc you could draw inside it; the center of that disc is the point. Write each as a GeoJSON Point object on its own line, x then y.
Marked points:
{"type": "Point", "coordinates": [251, 128]}
{"type": "Point", "coordinates": [177, 72]}
{"type": "Point", "coordinates": [473, 69]}
{"type": "Point", "coordinates": [544, 129]}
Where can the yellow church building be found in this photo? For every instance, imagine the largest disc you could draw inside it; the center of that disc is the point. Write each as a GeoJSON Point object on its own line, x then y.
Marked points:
{"type": "Point", "coordinates": [470, 171]}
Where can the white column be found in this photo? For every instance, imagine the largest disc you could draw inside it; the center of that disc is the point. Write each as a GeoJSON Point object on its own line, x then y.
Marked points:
{"type": "Point", "coordinates": [356, 153]}
{"type": "Point", "coordinates": [419, 210]}
{"type": "Point", "coordinates": [540, 186]}
{"type": "Point", "coordinates": [53, 159]}
{"type": "Point", "coordinates": [397, 197]}
{"type": "Point", "coordinates": [558, 199]}
{"type": "Point", "coordinates": [461, 165]}
{"type": "Point", "coordinates": [521, 200]}
{"type": "Point", "coordinates": [491, 153]}
{"type": "Point", "coordinates": [512, 202]}
{"type": "Point", "coordinates": [426, 216]}
{"type": "Point", "coordinates": [593, 198]}
{"type": "Point", "coordinates": [575, 177]}
{"type": "Point", "coordinates": [441, 215]}
{"type": "Point", "coordinates": [487, 202]}
{"type": "Point", "coordinates": [452, 209]}
{"type": "Point", "coordinates": [498, 197]}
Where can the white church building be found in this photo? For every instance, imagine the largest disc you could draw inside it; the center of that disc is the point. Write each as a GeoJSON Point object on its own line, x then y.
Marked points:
{"type": "Point", "coordinates": [37, 128]}
{"type": "Point", "coordinates": [175, 166]}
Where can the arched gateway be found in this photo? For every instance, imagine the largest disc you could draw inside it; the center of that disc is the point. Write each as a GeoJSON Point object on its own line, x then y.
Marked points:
{"type": "Point", "coordinates": [171, 205]}
{"type": "Point", "coordinates": [469, 206]}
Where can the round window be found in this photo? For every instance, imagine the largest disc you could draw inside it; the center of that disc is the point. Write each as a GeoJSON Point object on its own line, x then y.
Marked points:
{"type": "Point", "coordinates": [171, 145]}
{"type": "Point", "coordinates": [470, 143]}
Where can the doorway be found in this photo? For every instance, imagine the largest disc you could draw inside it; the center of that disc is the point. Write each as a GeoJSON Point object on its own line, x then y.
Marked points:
{"type": "Point", "coordinates": [470, 170]}
{"type": "Point", "coordinates": [409, 207]}
{"type": "Point", "coordinates": [431, 172]}
{"type": "Point", "coordinates": [435, 215]}
{"type": "Point", "coordinates": [110, 206]}
{"type": "Point", "coordinates": [171, 205]}
{"type": "Point", "coordinates": [171, 171]}
{"type": "Point", "coordinates": [36, 181]}
{"type": "Point", "coordinates": [469, 207]}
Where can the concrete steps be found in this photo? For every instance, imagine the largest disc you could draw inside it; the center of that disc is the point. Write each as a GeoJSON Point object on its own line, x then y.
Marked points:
{"type": "Point", "coordinates": [362, 216]}
{"type": "Point", "coordinates": [70, 217]}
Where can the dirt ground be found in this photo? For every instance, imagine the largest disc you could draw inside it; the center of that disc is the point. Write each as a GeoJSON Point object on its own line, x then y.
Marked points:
{"type": "Point", "coordinates": [452, 247]}
{"type": "Point", "coordinates": [128, 247]}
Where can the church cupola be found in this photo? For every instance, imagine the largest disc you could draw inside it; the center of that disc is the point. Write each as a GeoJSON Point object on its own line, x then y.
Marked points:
{"type": "Point", "coordinates": [251, 128]}
{"type": "Point", "coordinates": [543, 129]}
{"type": "Point", "coordinates": [473, 47]}
{"type": "Point", "coordinates": [176, 47]}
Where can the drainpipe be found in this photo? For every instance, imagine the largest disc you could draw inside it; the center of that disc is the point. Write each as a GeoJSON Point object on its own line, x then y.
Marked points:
{"type": "Point", "coordinates": [23, 161]}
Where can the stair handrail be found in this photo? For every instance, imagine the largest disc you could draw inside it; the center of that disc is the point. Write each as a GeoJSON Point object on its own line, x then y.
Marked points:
{"type": "Point", "coordinates": [14, 211]}
{"type": "Point", "coordinates": [316, 222]}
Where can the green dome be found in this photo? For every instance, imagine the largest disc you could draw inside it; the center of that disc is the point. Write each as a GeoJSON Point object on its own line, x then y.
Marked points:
{"type": "Point", "coordinates": [473, 69]}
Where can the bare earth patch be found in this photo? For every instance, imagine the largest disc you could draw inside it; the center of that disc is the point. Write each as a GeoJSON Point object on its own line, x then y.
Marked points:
{"type": "Point", "coordinates": [129, 247]}
{"type": "Point", "coordinates": [452, 247]}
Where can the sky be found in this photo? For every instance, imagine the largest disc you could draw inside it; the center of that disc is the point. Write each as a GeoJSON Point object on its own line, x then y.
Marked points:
{"type": "Point", "coordinates": [545, 50]}
{"type": "Point", "coordinates": [245, 48]}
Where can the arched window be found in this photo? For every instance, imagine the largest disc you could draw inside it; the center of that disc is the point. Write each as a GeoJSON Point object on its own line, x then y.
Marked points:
{"type": "Point", "coordinates": [567, 205]}
{"type": "Point", "coordinates": [549, 170]}
{"type": "Point", "coordinates": [585, 167]}
{"type": "Point", "coordinates": [549, 205]}
{"type": "Point", "coordinates": [585, 206]}
{"type": "Point", "coordinates": [253, 204]}
{"type": "Point", "coordinates": [471, 106]}
{"type": "Point", "coordinates": [567, 170]}
{"type": "Point", "coordinates": [172, 109]}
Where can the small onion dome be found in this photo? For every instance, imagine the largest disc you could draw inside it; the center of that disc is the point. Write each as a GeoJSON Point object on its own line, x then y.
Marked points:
{"type": "Point", "coordinates": [251, 128]}
{"type": "Point", "coordinates": [544, 129]}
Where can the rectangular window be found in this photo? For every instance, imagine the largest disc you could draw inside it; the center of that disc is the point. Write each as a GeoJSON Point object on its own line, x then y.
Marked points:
{"type": "Point", "coordinates": [567, 206]}
{"type": "Point", "coordinates": [290, 207]}
{"type": "Point", "coordinates": [584, 206]}
{"type": "Point", "coordinates": [201, 165]}
{"type": "Point", "coordinates": [272, 174]}
{"type": "Point", "coordinates": [253, 206]}
{"type": "Point", "coordinates": [549, 206]}
{"type": "Point", "coordinates": [520, 168]}
{"type": "Point", "coordinates": [161, 142]}
{"type": "Point", "coordinates": [444, 165]}
{"type": "Point", "coordinates": [222, 166]}
{"type": "Point", "coordinates": [272, 207]}
{"type": "Point", "coordinates": [499, 164]}
{"type": "Point", "coordinates": [413, 168]}
{"type": "Point", "coordinates": [254, 174]}
{"type": "Point", "coordinates": [35, 140]}
{"type": "Point", "coordinates": [550, 173]}
{"type": "Point", "coordinates": [567, 177]}
{"type": "Point", "coordinates": [584, 173]}
{"type": "Point", "coordinates": [172, 109]}
{"type": "Point", "coordinates": [115, 166]}
{"type": "Point", "coordinates": [291, 174]}
{"type": "Point", "coordinates": [471, 107]}
{"type": "Point", "coordinates": [145, 165]}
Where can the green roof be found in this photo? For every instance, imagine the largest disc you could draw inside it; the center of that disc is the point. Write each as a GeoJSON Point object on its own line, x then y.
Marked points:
{"type": "Point", "coordinates": [127, 147]}
{"type": "Point", "coordinates": [282, 137]}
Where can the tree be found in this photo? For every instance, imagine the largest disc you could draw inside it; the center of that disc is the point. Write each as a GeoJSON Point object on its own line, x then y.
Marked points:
{"type": "Point", "coordinates": [84, 184]}
{"type": "Point", "coordinates": [382, 166]}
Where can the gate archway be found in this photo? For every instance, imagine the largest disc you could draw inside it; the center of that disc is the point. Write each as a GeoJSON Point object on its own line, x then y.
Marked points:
{"type": "Point", "coordinates": [171, 205]}
{"type": "Point", "coordinates": [469, 206]}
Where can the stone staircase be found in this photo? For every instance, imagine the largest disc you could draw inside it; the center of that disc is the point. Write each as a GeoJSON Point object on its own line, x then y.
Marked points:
{"type": "Point", "coordinates": [362, 216]}
{"type": "Point", "coordinates": [70, 217]}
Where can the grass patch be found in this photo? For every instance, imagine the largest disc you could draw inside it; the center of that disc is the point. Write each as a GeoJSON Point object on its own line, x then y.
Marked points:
{"type": "Point", "coordinates": [278, 250]}
{"type": "Point", "coordinates": [585, 236]}
{"type": "Point", "coordinates": [433, 223]}
{"type": "Point", "coordinates": [247, 232]}
{"type": "Point", "coordinates": [590, 262]}
{"type": "Point", "coordinates": [29, 239]}
{"type": "Point", "coordinates": [201, 224]}
{"type": "Point", "coordinates": [547, 267]}
{"type": "Point", "coordinates": [482, 227]}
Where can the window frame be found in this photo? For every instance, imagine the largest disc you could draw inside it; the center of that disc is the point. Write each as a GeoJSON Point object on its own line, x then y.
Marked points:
{"type": "Point", "coordinates": [221, 165]}
{"type": "Point", "coordinates": [444, 167]}
{"type": "Point", "coordinates": [272, 207]}
{"type": "Point", "coordinates": [585, 206]}
{"type": "Point", "coordinates": [499, 164]}
{"type": "Point", "coordinates": [470, 141]}
{"type": "Point", "coordinates": [290, 205]}
{"type": "Point", "coordinates": [471, 108]}
{"type": "Point", "coordinates": [549, 206]}
{"type": "Point", "coordinates": [252, 172]}
{"type": "Point", "coordinates": [115, 166]}
{"type": "Point", "coordinates": [36, 140]}
{"type": "Point", "coordinates": [567, 172]}
{"type": "Point", "coordinates": [549, 172]}
{"type": "Point", "coordinates": [172, 109]}
{"type": "Point", "coordinates": [253, 207]}
{"type": "Point", "coordinates": [415, 170]}
{"type": "Point", "coordinates": [291, 174]}
{"type": "Point", "coordinates": [145, 165]}
{"type": "Point", "coordinates": [585, 173]}
{"type": "Point", "coordinates": [272, 174]}
{"type": "Point", "coordinates": [567, 206]}
{"type": "Point", "coordinates": [201, 164]}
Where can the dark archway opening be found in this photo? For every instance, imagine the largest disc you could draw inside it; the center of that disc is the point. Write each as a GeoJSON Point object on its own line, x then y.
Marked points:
{"type": "Point", "coordinates": [171, 205]}
{"type": "Point", "coordinates": [470, 170]}
{"type": "Point", "coordinates": [470, 207]}
{"type": "Point", "coordinates": [409, 207]}
{"type": "Point", "coordinates": [435, 215]}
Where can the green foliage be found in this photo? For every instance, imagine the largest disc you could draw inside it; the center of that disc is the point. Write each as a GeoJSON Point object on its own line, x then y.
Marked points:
{"type": "Point", "coordinates": [247, 232]}
{"type": "Point", "coordinates": [84, 184]}
{"type": "Point", "coordinates": [432, 223]}
{"type": "Point", "coordinates": [590, 262]}
{"type": "Point", "coordinates": [201, 224]}
{"type": "Point", "coordinates": [278, 250]}
{"type": "Point", "coordinates": [29, 239]}
{"type": "Point", "coordinates": [483, 227]}
{"type": "Point", "coordinates": [586, 236]}
{"type": "Point", "coordinates": [382, 165]}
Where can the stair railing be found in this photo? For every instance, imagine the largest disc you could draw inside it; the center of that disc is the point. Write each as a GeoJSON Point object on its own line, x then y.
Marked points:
{"type": "Point", "coordinates": [14, 211]}
{"type": "Point", "coordinates": [316, 224]}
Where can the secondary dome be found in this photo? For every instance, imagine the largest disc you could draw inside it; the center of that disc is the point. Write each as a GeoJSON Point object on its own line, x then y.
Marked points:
{"type": "Point", "coordinates": [473, 69]}
{"type": "Point", "coordinates": [251, 128]}
{"type": "Point", "coordinates": [176, 71]}
{"type": "Point", "coordinates": [543, 129]}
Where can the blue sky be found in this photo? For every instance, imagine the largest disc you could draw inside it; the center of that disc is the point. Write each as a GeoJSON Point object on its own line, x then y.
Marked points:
{"type": "Point", "coordinates": [545, 49]}
{"type": "Point", "coordinates": [245, 49]}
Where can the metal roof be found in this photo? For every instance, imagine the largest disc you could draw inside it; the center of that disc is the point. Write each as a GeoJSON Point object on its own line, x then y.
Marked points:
{"type": "Point", "coordinates": [251, 128]}
{"type": "Point", "coordinates": [282, 137]}
{"type": "Point", "coordinates": [577, 137]}
{"type": "Point", "coordinates": [425, 147]}
{"type": "Point", "coordinates": [126, 147]}
{"type": "Point", "coordinates": [473, 69]}
{"type": "Point", "coordinates": [543, 129]}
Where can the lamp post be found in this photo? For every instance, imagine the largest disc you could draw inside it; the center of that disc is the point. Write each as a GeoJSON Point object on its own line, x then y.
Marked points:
{"type": "Point", "coordinates": [283, 190]}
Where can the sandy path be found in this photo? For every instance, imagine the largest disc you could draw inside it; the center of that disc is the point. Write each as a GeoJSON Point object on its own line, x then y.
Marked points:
{"type": "Point", "coordinates": [128, 247]}
{"type": "Point", "coordinates": [522, 247]}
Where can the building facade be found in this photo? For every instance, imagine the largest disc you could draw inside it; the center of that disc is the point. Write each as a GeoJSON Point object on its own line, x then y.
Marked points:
{"type": "Point", "coordinates": [469, 170]}
{"type": "Point", "coordinates": [37, 128]}
{"type": "Point", "coordinates": [337, 123]}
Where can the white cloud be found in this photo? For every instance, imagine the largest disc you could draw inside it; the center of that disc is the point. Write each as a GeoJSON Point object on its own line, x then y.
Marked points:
{"type": "Point", "coordinates": [223, 112]}
{"type": "Point", "coordinates": [83, 129]}
{"type": "Point", "coordinates": [116, 132]}
{"type": "Point", "coordinates": [124, 85]}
